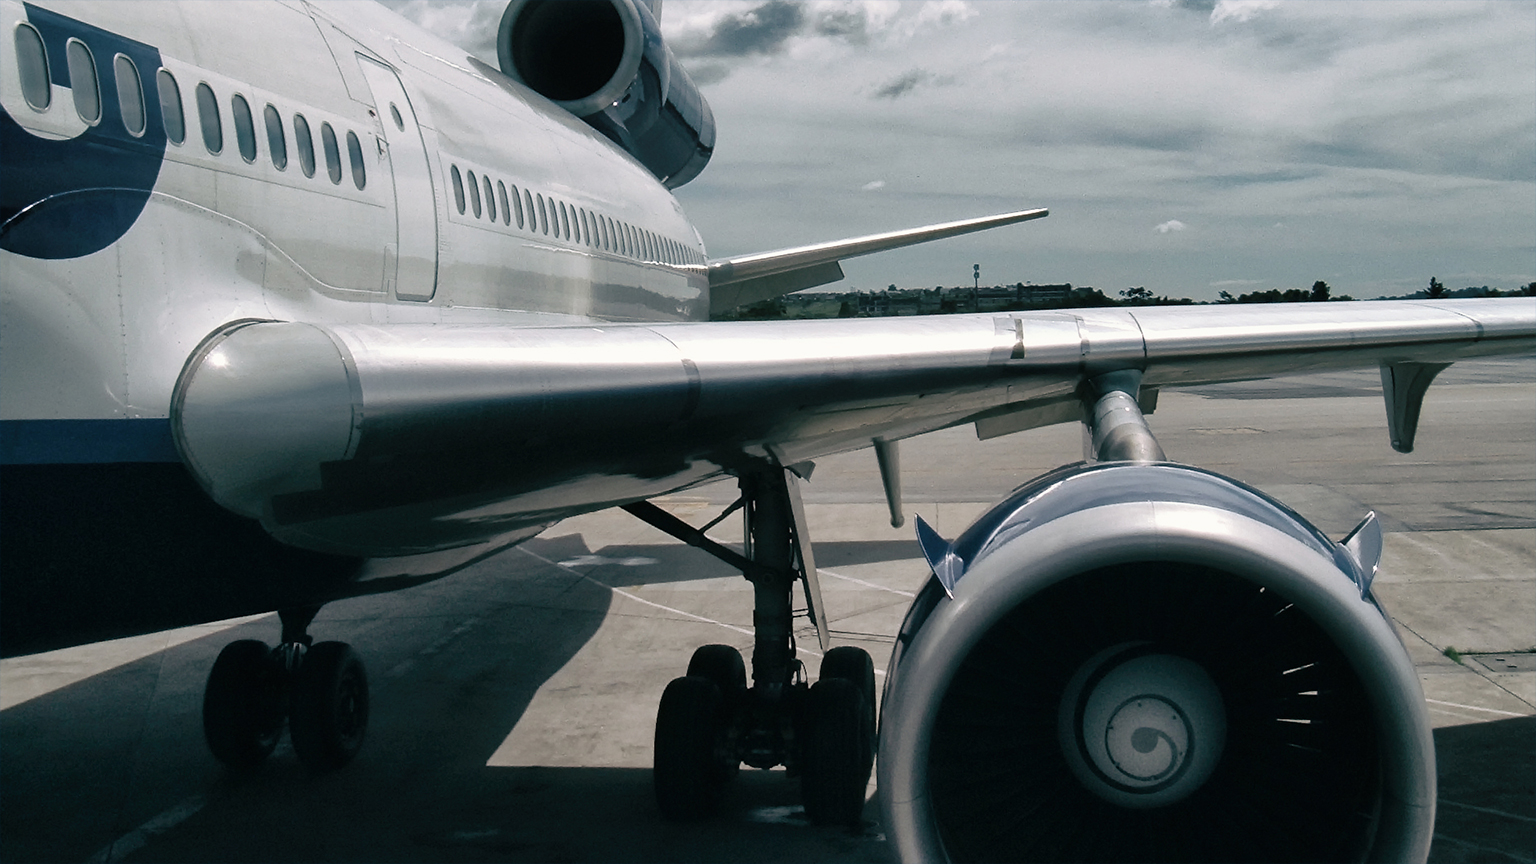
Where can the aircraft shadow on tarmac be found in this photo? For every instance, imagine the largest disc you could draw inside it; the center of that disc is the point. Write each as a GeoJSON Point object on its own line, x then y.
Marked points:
{"type": "Point", "coordinates": [1488, 766]}
{"type": "Point", "coordinates": [453, 666]}
{"type": "Point", "coordinates": [646, 564]}
{"type": "Point", "coordinates": [92, 761]}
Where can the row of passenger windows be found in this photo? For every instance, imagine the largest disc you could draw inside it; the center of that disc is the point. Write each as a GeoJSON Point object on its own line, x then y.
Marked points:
{"type": "Point", "coordinates": [32, 63]}
{"type": "Point", "coordinates": [550, 216]}
{"type": "Point", "coordinates": [553, 216]}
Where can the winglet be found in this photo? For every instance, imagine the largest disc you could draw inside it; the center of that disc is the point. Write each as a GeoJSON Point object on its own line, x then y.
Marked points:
{"type": "Point", "coordinates": [1364, 544]}
{"type": "Point", "coordinates": [940, 555]}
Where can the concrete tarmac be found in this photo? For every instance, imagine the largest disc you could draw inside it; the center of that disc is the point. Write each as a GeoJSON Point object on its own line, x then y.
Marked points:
{"type": "Point", "coordinates": [513, 702]}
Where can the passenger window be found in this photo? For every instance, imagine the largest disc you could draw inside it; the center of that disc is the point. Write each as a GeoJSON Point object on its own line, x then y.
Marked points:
{"type": "Point", "coordinates": [32, 63]}
{"type": "Point", "coordinates": [82, 81]}
{"type": "Point", "coordinates": [458, 189]}
{"type": "Point", "coordinates": [355, 154]}
{"type": "Point", "coordinates": [474, 193]}
{"type": "Point", "coordinates": [170, 106]}
{"type": "Point", "coordinates": [533, 218]}
{"type": "Point", "coordinates": [394, 114]}
{"type": "Point", "coordinates": [605, 228]}
{"type": "Point", "coordinates": [130, 94]}
{"type": "Point", "coordinates": [490, 199]}
{"type": "Point", "coordinates": [543, 216]}
{"type": "Point", "coordinates": [208, 116]}
{"type": "Point", "coordinates": [277, 144]}
{"type": "Point", "coordinates": [517, 204]}
{"type": "Point", "coordinates": [565, 222]}
{"type": "Point", "coordinates": [245, 127]}
{"type": "Point", "coordinates": [501, 193]}
{"type": "Point", "coordinates": [305, 144]}
{"type": "Point", "coordinates": [586, 227]}
{"type": "Point", "coordinates": [332, 152]}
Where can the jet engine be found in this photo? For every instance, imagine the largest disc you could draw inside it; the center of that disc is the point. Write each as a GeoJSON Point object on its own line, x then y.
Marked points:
{"type": "Point", "coordinates": [1127, 662]}
{"type": "Point", "coordinates": [605, 62]}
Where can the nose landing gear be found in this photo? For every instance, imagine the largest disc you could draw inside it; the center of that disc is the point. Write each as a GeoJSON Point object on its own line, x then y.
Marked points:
{"type": "Point", "coordinates": [321, 690]}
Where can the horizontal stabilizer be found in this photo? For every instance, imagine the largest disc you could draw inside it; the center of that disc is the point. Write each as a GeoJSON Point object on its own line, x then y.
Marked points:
{"type": "Point", "coordinates": [763, 275]}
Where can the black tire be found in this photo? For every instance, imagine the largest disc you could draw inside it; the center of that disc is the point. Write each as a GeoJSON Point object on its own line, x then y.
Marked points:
{"type": "Point", "coordinates": [685, 766]}
{"type": "Point", "coordinates": [329, 716]}
{"type": "Point", "coordinates": [834, 771]}
{"type": "Point", "coordinates": [853, 664]}
{"type": "Point", "coordinates": [721, 664]}
{"type": "Point", "coordinates": [242, 705]}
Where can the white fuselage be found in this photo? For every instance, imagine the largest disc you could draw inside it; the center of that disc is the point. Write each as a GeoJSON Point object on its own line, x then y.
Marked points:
{"type": "Point", "coordinates": [559, 226]}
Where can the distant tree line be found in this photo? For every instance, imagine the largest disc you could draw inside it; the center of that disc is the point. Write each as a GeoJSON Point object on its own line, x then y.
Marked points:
{"type": "Point", "coordinates": [894, 301]}
{"type": "Point", "coordinates": [1320, 293]}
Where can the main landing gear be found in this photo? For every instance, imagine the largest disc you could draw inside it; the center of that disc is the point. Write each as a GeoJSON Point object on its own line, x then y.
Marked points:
{"type": "Point", "coordinates": [321, 690]}
{"type": "Point", "coordinates": [710, 721]}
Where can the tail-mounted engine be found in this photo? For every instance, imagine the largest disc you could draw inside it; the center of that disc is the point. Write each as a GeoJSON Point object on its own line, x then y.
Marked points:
{"type": "Point", "coordinates": [605, 62]}
{"type": "Point", "coordinates": [1152, 662]}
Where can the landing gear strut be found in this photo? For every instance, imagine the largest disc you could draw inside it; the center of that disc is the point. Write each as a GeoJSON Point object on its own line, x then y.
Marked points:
{"type": "Point", "coordinates": [710, 721]}
{"type": "Point", "coordinates": [321, 690]}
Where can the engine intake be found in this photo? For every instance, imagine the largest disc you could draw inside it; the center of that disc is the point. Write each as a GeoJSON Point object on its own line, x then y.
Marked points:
{"type": "Point", "coordinates": [1152, 662]}
{"type": "Point", "coordinates": [605, 62]}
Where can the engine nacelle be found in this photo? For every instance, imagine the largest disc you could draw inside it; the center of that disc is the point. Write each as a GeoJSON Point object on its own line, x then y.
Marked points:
{"type": "Point", "coordinates": [605, 62]}
{"type": "Point", "coordinates": [1152, 662]}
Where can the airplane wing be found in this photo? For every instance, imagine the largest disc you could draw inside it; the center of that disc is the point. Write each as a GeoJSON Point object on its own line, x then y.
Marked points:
{"type": "Point", "coordinates": [764, 275]}
{"type": "Point", "coordinates": [381, 440]}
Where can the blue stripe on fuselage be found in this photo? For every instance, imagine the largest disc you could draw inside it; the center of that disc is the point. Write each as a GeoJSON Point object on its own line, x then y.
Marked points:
{"type": "Point", "coordinates": [65, 199]}
{"type": "Point", "coordinates": [77, 442]}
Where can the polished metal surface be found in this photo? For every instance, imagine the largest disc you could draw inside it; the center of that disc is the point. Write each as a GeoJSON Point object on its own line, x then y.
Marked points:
{"type": "Point", "coordinates": [465, 433]}
{"type": "Point", "coordinates": [1080, 519]}
{"type": "Point", "coordinates": [1117, 428]}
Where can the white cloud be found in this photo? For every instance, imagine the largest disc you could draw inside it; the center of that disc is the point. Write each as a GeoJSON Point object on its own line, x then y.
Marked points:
{"type": "Point", "coordinates": [1170, 226]}
{"type": "Point", "coordinates": [873, 185]}
{"type": "Point", "coordinates": [1240, 10]}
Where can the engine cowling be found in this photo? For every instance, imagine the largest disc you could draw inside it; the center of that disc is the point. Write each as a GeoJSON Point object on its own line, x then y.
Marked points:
{"type": "Point", "coordinates": [1152, 662]}
{"type": "Point", "coordinates": [605, 62]}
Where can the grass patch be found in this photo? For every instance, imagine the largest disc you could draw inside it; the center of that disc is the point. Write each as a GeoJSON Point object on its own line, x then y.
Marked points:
{"type": "Point", "coordinates": [1454, 655]}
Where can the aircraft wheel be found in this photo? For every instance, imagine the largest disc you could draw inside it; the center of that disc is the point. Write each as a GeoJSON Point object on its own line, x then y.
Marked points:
{"type": "Point", "coordinates": [329, 716]}
{"type": "Point", "coordinates": [723, 665]}
{"type": "Point", "coordinates": [853, 664]}
{"type": "Point", "coordinates": [242, 704]}
{"type": "Point", "coordinates": [834, 769]}
{"type": "Point", "coordinates": [685, 765]}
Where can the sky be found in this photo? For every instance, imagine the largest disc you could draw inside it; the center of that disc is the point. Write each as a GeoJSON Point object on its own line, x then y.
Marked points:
{"type": "Point", "coordinates": [1186, 146]}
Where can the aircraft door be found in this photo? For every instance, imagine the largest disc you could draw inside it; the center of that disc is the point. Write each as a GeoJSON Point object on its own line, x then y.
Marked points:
{"type": "Point", "coordinates": [415, 260]}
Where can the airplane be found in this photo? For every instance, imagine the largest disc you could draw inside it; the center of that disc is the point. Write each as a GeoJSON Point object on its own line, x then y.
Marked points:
{"type": "Point", "coordinates": [299, 302]}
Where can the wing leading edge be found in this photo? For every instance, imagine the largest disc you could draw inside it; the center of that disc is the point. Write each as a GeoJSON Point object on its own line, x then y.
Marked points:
{"type": "Point", "coordinates": [398, 439]}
